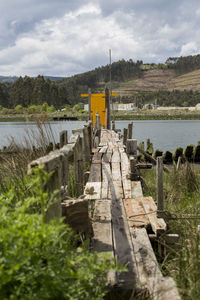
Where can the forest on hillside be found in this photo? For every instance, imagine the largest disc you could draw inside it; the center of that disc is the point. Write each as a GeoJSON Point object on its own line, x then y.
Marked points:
{"type": "Point", "coordinates": [36, 91]}
{"type": "Point", "coordinates": [184, 64]}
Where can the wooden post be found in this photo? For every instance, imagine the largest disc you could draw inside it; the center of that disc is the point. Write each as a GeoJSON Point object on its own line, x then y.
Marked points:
{"type": "Point", "coordinates": [130, 130]}
{"type": "Point", "coordinates": [89, 103]}
{"type": "Point", "coordinates": [125, 133]}
{"type": "Point", "coordinates": [78, 166]}
{"type": "Point", "coordinates": [178, 163]}
{"type": "Point", "coordinates": [96, 141]}
{"type": "Point", "coordinates": [159, 173]}
{"type": "Point", "coordinates": [131, 147]}
{"type": "Point", "coordinates": [63, 138]}
{"type": "Point", "coordinates": [133, 173]}
{"type": "Point", "coordinates": [113, 125]}
{"type": "Point", "coordinates": [107, 100]}
{"type": "Point", "coordinates": [86, 144]}
{"type": "Point", "coordinates": [51, 162]}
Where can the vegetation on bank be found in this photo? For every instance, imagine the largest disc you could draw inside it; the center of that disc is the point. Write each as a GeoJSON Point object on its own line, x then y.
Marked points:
{"type": "Point", "coordinates": [182, 214]}
{"type": "Point", "coordinates": [41, 260]}
{"type": "Point", "coordinates": [29, 91]}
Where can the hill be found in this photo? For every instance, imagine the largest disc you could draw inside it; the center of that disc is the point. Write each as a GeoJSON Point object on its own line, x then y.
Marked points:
{"type": "Point", "coordinates": [158, 79]}
{"type": "Point", "coordinates": [177, 82]}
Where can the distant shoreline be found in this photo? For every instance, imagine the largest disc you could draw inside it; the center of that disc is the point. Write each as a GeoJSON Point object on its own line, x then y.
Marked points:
{"type": "Point", "coordinates": [116, 116]}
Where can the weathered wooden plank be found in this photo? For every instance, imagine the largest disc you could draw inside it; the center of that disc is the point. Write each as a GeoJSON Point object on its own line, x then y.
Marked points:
{"type": "Point", "coordinates": [127, 187]}
{"type": "Point", "coordinates": [123, 249]}
{"type": "Point", "coordinates": [106, 172]}
{"type": "Point", "coordinates": [158, 225]}
{"type": "Point", "coordinates": [97, 158]}
{"type": "Point", "coordinates": [136, 189]}
{"type": "Point", "coordinates": [107, 157]}
{"type": "Point", "coordinates": [135, 213]}
{"type": "Point", "coordinates": [75, 213]}
{"type": "Point", "coordinates": [92, 190]}
{"type": "Point", "coordinates": [104, 190]}
{"type": "Point", "coordinates": [116, 156]}
{"type": "Point", "coordinates": [103, 149]}
{"type": "Point", "coordinates": [103, 144]}
{"type": "Point", "coordinates": [149, 274]}
{"type": "Point", "coordinates": [125, 165]}
{"type": "Point", "coordinates": [116, 171]}
{"type": "Point", "coordinates": [95, 173]}
{"type": "Point", "coordinates": [115, 190]}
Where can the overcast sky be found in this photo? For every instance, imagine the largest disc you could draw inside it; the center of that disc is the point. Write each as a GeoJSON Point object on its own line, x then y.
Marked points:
{"type": "Point", "coordinates": [66, 37]}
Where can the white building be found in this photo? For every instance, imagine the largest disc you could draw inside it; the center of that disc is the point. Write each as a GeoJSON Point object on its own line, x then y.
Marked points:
{"type": "Point", "coordinates": [124, 106]}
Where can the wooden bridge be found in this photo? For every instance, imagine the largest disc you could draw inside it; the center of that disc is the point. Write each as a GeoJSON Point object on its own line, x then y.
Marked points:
{"type": "Point", "coordinates": [123, 220]}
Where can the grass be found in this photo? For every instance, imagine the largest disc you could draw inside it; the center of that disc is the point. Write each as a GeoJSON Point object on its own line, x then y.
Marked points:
{"type": "Point", "coordinates": [182, 214]}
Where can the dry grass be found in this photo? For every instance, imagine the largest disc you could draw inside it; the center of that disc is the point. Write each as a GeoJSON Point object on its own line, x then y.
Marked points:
{"type": "Point", "coordinates": [36, 143]}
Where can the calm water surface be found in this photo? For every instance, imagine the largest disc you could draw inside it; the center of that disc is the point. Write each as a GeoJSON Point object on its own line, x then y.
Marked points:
{"type": "Point", "coordinates": [164, 134]}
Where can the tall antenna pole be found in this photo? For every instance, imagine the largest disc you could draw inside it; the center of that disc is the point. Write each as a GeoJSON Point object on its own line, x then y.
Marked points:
{"type": "Point", "coordinates": [110, 89]}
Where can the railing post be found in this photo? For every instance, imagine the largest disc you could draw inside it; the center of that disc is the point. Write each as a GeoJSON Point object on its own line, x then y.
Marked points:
{"type": "Point", "coordinates": [159, 175]}
{"type": "Point", "coordinates": [125, 133]}
{"type": "Point", "coordinates": [86, 144]}
{"type": "Point", "coordinates": [133, 168]}
{"type": "Point", "coordinates": [78, 166]}
{"type": "Point", "coordinates": [113, 125]}
{"type": "Point", "coordinates": [130, 130]}
{"type": "Point", "coordinates": [63, 138]}
{"type": "Point", "coordinates": [131, 147]}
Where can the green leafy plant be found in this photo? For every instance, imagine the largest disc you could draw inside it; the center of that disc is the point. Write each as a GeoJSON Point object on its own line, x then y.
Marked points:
{"type": "Point", "coordinates": [39, 260]}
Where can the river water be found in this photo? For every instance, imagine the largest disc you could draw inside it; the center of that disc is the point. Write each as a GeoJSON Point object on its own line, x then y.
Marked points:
{"type": "Point", "coordinates": [164, 134]}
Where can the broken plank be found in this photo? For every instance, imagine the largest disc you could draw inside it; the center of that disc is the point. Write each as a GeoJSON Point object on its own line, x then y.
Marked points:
{"type": "Point", "coordinates": [92, 190]}
{"type": "Point", "coordinates": [135, 213]}
{"type": "Point", "coordinates": [158, 225]}
{"type": "Point", "coordinates": [102, 240]}
{"type": "Point", "coordinates": [123, 249]}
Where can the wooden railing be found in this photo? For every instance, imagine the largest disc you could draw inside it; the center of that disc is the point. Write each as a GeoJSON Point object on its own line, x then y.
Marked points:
{"type": "Point", "coordinates": [77, 150]}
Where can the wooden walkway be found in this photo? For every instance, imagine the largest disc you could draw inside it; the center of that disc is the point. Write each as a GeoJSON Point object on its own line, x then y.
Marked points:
{"type": "Point", "coordinates": [121, 218]}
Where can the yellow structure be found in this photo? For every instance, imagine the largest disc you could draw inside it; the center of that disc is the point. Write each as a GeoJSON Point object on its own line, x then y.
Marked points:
{"type": "Point", "coordinates": [97, 103]}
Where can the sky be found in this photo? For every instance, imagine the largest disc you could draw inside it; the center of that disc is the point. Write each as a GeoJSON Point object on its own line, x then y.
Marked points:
{"type": "Point", "coordinates": [67, 37]}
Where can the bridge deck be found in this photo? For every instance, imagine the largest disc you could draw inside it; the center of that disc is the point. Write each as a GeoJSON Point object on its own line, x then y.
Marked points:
{"type": "Point", "coordinates": [121, 217]}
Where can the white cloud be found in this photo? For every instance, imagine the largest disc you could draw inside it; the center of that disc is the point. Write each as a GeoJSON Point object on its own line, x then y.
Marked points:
{"type": "Point", "coordinates": [51, 38]}
{"type": "Point", "coordinates": [189, 49]}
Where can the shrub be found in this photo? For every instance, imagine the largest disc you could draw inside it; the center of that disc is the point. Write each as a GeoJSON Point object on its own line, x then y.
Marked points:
{"type": "Point", "coordinates": [158, 153]}
{"type": "Point", "coordinates": [178, 152]}
{"type": "Point", "coordinates": [38, 259]}
{"type": "Point", "coordinates": [189, 152]}
{"type": "Point", "coordinates": [167, 159]}
{"type": "Point", "coordinates": [197, 153]}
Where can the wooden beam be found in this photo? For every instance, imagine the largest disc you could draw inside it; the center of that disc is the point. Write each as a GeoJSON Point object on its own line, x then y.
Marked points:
{"type": "Point", "coordinates": [102, 240]}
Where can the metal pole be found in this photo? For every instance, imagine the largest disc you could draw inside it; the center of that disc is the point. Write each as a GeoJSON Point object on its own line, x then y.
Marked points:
{"type": "Point", "coordinates": [110, 94]}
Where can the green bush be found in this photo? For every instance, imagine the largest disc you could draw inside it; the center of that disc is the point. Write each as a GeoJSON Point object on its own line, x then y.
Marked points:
{"type": "Point", "coordinates": [158, 153]}
{"type": "Point", "coordinates": [39, 260]}
{"type": "Point", "coordinates": [189, 152]}
{"type": "Point", "coordinates": [167, 159]}
{"type": "Point", "coordinates": [178, 152]}
{"type": "Point", "coordinates": [197, 153]}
